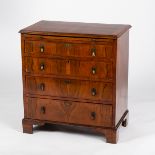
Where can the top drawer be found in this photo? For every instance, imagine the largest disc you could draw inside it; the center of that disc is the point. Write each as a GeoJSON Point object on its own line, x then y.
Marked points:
{"type": "Point", "coordinates": [61, 48]}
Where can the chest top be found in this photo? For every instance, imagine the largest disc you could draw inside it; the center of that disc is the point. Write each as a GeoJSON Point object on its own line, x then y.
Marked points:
{"type": "Point", "coordinates": [76, 29]}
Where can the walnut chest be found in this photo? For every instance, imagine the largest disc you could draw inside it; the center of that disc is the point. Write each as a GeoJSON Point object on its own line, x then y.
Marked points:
{"type": "Point", "coordinates": [75, 74]}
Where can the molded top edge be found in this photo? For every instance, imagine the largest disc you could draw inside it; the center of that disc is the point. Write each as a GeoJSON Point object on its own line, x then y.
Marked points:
{"type": "Point", "coordinates": [76, 29]}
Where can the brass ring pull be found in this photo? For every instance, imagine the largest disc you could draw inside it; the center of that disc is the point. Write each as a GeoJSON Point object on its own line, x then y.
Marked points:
{"type": "Point", "coordinates": [43, 110]}
{"type": "Point", "coordinates": [93, 70]}
{"type": "Point", "coordinates": [42, 86]}
{"type": "Point", "coordinates": [41, 48]}
{"type": "Point", "coordinates": [93, 115]}
{"type": "Point", "coordinates": [93, 91]}
{"type": "Point", "coordinates": [93, 51]}
{"type": "Point", "coordinates": [42, 66]}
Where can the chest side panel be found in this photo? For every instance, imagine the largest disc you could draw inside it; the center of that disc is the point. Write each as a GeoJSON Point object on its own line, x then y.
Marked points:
{"type": "Point", "coordinates": [122, 76]}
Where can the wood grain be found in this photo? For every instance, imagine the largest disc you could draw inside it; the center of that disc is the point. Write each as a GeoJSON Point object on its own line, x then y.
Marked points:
{"type": "Point", "coordinates": [42, 48]}
{"type": "Point", "coordinates": [76, 29]}
{"type": "Point", "coordinates": [122, 75]}
{"type": "Point", "coordinates": [75, 68]}
{"type": "Point", "coordinates": [71, 112]}
{"type": "Point", "coordinates": [68, 88]}
{"type": "Point", "coordinates": [76, 74]}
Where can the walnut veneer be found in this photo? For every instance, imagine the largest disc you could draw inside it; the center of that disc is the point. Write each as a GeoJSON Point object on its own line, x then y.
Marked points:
{"type": "Point", "coordinates": [75, 73]}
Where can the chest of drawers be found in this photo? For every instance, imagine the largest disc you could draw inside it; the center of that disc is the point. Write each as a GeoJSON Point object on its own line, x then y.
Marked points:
{"type": "Point", "coordinates": [75, 74]}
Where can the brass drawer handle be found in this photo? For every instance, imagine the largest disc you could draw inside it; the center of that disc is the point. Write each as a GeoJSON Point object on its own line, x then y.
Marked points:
{"type": "Point", "coordinates": [67, 81]}
{"type": "Point", "coordinates": [42, 87]}
{"type": "Point", "coordinates": [42, 66]}
{"type": "Point", "coordinates": [93, 91]}
{"type": "Point", "coordinates": [93, 70]}
{"type": "Point", "coordinates": [93, 115]}
{"type": "Point", "coordinates": [93, 52]}
{"type": "Point", "coordinates": [43, 110]}
{"type": "Point", "coordinates": [41, 48]}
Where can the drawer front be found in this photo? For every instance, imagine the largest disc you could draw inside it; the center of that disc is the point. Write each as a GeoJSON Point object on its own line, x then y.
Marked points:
{"type": "Point", "coordinates": [70, 112]}
{"type": "Point", "coordinates": [75, 68]}
{"type": "Point", "coordinates": [59, 87]}
{"type": "Point", "coordinates": [44, 48]}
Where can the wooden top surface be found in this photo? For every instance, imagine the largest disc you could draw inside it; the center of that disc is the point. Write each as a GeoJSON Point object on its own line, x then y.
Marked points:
{"type": "Point", "coordinates": [76, 29]}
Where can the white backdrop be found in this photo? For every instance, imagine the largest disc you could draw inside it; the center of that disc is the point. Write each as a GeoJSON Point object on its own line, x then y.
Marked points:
{"type": "Point", "coordinates": [17, 14]}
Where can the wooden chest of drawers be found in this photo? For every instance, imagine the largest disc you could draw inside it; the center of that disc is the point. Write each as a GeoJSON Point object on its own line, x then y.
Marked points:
{"type": "Point", "coordinates": [77, 74]}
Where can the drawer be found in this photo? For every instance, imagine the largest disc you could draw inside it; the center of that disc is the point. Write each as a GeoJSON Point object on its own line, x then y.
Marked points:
{"type": "Point", "coordinates": [70, 88]}
{"type": "Point", "coordinates": [85, 69]}
{"type": "Point", "coordinates": [70, 112]}
{"type": "Point", "coordinates": [52, 49]}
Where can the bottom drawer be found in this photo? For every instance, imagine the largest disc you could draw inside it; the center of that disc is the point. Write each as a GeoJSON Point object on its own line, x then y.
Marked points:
{"type": "Point", "coordinates": [70, 112]}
